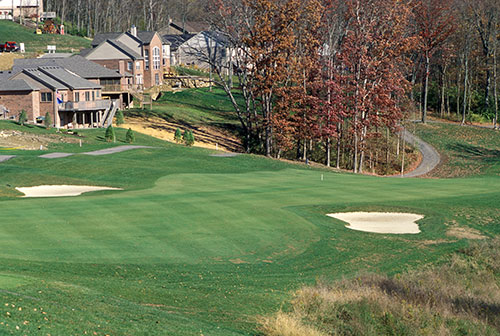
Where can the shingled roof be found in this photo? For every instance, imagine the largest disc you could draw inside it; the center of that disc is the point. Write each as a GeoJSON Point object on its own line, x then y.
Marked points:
{"type": "Point", "coordinates": [17, 85]}
{"type": "Point", "coordinates": [126, 50]}
{"type": "Point", "coordinates": [99, 38]}
{"type": "Point", "coordinates": [75, 64]}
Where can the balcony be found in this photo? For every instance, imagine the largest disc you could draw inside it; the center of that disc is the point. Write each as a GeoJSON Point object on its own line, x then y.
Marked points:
{"type": "Point", "coordinates": [82, 106]}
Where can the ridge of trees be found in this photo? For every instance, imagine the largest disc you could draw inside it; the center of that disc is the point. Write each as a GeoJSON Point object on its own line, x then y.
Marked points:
{"type": "Point", "coordinates": [344, 75]}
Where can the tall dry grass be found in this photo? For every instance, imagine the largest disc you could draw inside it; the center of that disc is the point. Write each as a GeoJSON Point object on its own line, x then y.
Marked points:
{"type": "Point", "coordinates": [459, 297]}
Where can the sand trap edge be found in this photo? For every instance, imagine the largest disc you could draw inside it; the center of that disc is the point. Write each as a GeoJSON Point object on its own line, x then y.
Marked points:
{"type": "Point", "coordinates": [59, 190]}
{"type": "Point", "coordinates": [380, 222]}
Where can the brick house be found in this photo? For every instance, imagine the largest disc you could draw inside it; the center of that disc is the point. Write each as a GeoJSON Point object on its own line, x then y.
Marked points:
{"type": "Point", "coordinates": [142, 54]}
{"type": "Point", "coordinates": [72, 101]}
{"type": "Point", "coordinates": [114, 85]}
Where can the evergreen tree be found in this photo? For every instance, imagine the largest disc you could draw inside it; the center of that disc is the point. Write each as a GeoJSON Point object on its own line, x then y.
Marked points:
{"type": "Point", "coordinates": [22, 117]}
{"type": "Point", "coordinates": [119, 118]}
{"type": "Point", "coordinates": [178, 136]}
{"type": "Point", "coordinates": [185, 136]}
{"type": "Point", "coordinates": [190, 139]}
{"type": "Point", "coordinates": [48, 120]}
{"type": "Point", "coordinates": [130, 137]}
{"type": "Point", "coordinates": [110, 134]}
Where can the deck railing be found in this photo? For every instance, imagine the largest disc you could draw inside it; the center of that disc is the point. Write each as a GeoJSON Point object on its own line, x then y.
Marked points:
{"type": "Point", "coordinates": [95, 105]}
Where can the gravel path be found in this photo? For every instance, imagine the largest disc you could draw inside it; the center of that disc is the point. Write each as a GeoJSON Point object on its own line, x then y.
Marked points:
{"type": "Point", "coordinates": [430, 156]}
{"type": "Point", "coordinates": [113, 150]}
{"type": "Point", "coordinates": [55, 155]}
{"type": "Point", "coordinates": [4, 158]}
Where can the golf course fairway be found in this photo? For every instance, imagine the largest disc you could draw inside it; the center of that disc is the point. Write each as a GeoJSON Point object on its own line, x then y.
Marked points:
{"type": "Point", "coordinates": [203, 245]}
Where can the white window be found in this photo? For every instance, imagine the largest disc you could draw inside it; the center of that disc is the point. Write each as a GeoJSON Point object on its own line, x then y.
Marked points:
{"type": "Point", "coordinates": [138, 79]}
{"type": "Point", "coordinates": [146, 59]}
{"type": "Point", "coordinates": [129, 66]}
{"type": "Point", "coordinates": [138, 65]}
{"type": "Point", "coordinates": [156, 58]}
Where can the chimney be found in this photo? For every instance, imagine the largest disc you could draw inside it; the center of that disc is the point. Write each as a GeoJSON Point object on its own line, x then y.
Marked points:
{"type": "Point", "coordinates": [133, 30]}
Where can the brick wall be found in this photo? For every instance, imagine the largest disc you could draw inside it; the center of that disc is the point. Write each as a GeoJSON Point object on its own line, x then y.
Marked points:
{"type": "Point", "coordinates": [16, 101]}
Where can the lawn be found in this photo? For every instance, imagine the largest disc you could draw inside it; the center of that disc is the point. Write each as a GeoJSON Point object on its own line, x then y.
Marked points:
{"type": "Point", "coordinates": [37, 44]}
{"type": "Point", "coordinates": [201, 245]}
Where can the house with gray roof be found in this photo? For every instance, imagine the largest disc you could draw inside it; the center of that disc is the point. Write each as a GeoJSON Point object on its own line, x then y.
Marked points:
{"type": "Point", "coordinates": [114, 85]}
{"type": "Point", "coordinates": [71, 100]}
{"type": "Point", "coordinates": [143, 54]}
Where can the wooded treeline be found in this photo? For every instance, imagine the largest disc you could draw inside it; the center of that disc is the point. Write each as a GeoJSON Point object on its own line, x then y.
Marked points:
{"type": "Point", "coordinates": [339, 77]}
{"type": "Point", "coordinates": [89, 17]}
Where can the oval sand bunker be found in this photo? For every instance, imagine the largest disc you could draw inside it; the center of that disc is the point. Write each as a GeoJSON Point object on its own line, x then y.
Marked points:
{"type": "Point", "coordinates": [380, 222]}
{"type": "Point", "coordinates": [60, 190]}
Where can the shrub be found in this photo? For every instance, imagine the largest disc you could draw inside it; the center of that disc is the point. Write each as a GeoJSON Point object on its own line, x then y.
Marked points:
{"type": "Point", "coordinates": [130, 137]}
{"type": "Point", "coordinates": [178, 136]}
{"type": "Point", "coordinates": [110, 134]}
{"type": "Point", "coordinates": [48, 120]}
{"type": "Point", "coordinates": [119, 118]}
{"type": "Point", "coordinates": [23, 117]}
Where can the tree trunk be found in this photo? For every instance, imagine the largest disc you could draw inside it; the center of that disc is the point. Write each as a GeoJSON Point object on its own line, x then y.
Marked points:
{"type": "Point", "coordinates": [426, 87]}
{"type": "Point", "coordinates": [466, 62]}
{"type": "Point", "coordinates": [495, 83]}
{"type": "Point", "coordinates": [328, 151]}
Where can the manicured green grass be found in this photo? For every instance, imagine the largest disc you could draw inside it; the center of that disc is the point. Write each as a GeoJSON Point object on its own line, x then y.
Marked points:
{"type": "Point", "coordinates": [199, 244]}
{"type": "Point", "coordinates": [10, 31]}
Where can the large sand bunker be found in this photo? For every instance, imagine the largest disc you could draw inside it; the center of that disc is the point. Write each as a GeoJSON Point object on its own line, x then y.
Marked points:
{"type": "Point", "coordinates": [60, 190]}
{"type": "Point", "coordinates": [380, 222]}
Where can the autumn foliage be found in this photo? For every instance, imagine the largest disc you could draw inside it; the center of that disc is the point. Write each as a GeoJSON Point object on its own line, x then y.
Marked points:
{"type": "Point", "coordinates": [327, 76]}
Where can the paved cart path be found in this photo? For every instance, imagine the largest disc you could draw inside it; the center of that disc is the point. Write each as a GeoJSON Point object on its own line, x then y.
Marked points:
{"type": "Point", "coordinates": [4, 158]}
{"type": "Point", "coordinates": [430, 156]}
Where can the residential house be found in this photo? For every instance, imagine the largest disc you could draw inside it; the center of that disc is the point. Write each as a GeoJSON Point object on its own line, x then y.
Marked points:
{"type": "Point", "coordinates": [200, 50]}
{"type": "Point", "coordinates": [114, 85]}
{"type": "Point", "coordinates": [142, 54]}
{"type": "Point", "coordinates": [24, 8]}
{"type": "Point", "coordinates": [72, 101]}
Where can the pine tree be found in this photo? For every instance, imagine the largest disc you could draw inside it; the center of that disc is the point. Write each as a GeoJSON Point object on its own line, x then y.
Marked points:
{"type": "Point", "coordinates": [190, 139]}
{"type": "Point", "coordinates": [22, 117]}
{"type": "Point", "coordinates": [178, 135]}
{"type": "Point", "coordinates": [185, 136]}
{"type": "Point", "coordinates": [48, 120]}
{"type": "Point", "coordinates": [119, 118]}
{"type": "Point", "coordinates": [130, 137]}
{"type": "Point", "coordinates": [110, 134]}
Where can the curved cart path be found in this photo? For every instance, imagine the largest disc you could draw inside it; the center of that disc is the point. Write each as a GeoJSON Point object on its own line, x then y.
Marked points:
{"type": "Point", "coordinates": [113, 150]}
{"type": "Point", "coordinates": [430, 156]}
{"type": "Point", "coordinates": [4, 158]}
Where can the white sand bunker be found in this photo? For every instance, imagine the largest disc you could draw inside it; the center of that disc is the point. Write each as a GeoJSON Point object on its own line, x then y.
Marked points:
{"type": "Point", "coordinates": [60, 190]}
{"type": "Point", "coordinates": [380, 222]}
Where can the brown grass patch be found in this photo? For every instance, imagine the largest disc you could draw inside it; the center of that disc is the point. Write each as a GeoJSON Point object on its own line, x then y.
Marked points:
{"type": "Point", "coordinates": [464, 233]}
{"type": "Point", "coordinates": [238, 261]}
{"type": "Point", "coordinates": [287, 325]}
{"type": "Point", "coordinates": [7, 60]}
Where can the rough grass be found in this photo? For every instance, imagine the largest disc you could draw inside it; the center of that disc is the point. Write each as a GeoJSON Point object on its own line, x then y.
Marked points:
{"type": "Point", "coordinates": [465, 151]}
{"type": "Point", "coordinates": [459, 297]}
{"type": "Point", "coordinates": [37, 44]}
{"type": "Point", "coordinates": [202, 245]}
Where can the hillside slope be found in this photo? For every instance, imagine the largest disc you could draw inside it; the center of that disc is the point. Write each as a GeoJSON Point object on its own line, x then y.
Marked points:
{"type": "Point", "coordinates": [10, 31]}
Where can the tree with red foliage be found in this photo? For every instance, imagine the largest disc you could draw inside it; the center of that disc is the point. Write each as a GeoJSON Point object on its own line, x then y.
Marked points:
{"type": "Point", "coordinates": [372, 73]}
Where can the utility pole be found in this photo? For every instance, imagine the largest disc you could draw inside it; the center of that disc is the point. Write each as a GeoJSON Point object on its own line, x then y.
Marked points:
{"type": "Point", "coordinates": [12, 10]}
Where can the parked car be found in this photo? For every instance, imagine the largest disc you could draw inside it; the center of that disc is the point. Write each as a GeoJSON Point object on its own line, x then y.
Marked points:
{"type": "Point", "coordinates": [9, 46]}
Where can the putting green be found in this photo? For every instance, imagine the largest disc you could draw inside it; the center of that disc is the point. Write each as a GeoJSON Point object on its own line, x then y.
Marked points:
{"type": "Point", "coordinates": [202, 245]}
